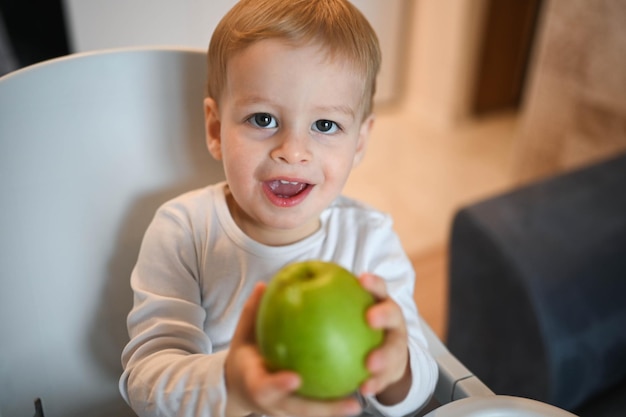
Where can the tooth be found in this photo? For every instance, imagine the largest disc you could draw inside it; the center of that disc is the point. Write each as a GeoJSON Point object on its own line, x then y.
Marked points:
{"type": "Point", "coordinates": [284, 182]}
{"type": "Point", "coordinates": [295, 183]}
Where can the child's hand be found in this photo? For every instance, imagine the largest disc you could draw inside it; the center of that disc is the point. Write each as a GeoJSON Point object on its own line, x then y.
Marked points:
{"type": "Point", "coordinates": [389, 364]}
{"type": "Point", "coordinates": [252, 389]}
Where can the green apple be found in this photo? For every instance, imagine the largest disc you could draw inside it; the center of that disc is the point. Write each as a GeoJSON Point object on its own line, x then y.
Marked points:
{"type": "Point", "coordinates": [311, 320]}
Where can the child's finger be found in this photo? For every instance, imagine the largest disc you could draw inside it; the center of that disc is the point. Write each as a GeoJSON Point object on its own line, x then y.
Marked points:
{"type": "Point", "coordinates": [245, 328]}
{"type": "Point", "coordinates": [271, 389]}
{"type": "Point", "coordinates": [393, 350]}
{"type": "Point", "coordinates": [387, 363]}
{"type": "Point", "coordinates": [385, 315]}
{"type": "Point", "coordinates": [302, 407]}
{"type": "Point", "coordinates": [374, 285]}
{"type": "Point", "coordinates": [273, 394]}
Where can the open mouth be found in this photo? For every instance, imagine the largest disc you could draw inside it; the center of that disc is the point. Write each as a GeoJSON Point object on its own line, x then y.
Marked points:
{"type": "Point", "coordinates": [286, 189]}
{"type": "Point", "coordinates": [286, 193]}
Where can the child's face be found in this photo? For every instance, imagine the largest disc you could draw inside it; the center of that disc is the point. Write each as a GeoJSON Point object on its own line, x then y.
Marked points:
{"type": "Point", "coordinates": [289, 128]}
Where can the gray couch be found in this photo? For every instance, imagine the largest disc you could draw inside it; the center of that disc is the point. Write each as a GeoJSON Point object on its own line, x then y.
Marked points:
{"type": "Point", "coordinates": [538, 290]}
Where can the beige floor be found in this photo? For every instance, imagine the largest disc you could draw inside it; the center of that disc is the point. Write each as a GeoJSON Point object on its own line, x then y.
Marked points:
{"type": "Point", "coordinates": [421, 176]}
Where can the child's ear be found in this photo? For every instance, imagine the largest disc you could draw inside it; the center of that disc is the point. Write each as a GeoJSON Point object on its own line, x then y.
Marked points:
{"type": "Point", "coordinates": [212, 126]}
{"type": "Point", "coordinates": [364, 135]}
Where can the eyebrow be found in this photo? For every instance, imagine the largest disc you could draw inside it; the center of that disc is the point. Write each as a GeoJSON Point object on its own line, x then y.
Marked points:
{"type": "Point", "coordinates": [251, 100]}
{"type": "Point", "coordinates": [347, 110]}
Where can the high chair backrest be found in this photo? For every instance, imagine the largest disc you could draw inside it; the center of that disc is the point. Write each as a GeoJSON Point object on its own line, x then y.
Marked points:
{"type": "Point", "coordinates": [90, 145]}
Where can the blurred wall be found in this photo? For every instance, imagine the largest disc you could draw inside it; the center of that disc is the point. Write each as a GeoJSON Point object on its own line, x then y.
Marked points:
{"type": "Point", "coordinates": [97, 24]}
{"type": "Point", "coordinates": [574, 112]}
{"type": "Point", "coordinates": [445, 39]}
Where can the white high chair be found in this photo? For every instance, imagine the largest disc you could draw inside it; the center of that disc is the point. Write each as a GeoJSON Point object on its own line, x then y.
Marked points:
{"type": "Point", "coordinates": [90, 146]}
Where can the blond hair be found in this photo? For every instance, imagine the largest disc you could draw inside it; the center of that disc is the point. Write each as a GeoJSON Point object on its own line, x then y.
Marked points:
{"type": "Point", "coordinates": [336, 25]}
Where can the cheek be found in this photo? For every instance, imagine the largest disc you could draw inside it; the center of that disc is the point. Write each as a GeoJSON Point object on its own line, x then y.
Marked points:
{"type": "Point", "coordinates": [338, 168]}
{"type": "Point", "coordinates": [238, 169]}
{"type": "Point", "coordinates": [236, 162]}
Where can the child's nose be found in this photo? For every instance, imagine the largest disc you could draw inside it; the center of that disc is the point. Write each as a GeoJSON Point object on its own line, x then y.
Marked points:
{"type": "Point", "coordinates": [292, 149]}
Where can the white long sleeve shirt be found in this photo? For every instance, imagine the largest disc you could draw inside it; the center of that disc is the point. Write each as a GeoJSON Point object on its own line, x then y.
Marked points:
{"type": "Point", "coordinates": [195, 271]}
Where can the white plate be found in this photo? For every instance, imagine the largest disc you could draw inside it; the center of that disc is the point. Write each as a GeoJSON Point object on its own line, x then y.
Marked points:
{"type": "Point", "coordinates": [498, 406]}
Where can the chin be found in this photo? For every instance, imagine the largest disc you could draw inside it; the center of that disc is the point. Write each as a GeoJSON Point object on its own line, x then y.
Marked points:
{"type": "Point", "coordinates": [292, 224]}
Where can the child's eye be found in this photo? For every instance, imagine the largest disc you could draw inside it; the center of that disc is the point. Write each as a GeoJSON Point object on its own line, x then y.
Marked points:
{"type": "Point", "coordinates": [263, 120]}
{"type": "Point", "coordinates": [325, 126]}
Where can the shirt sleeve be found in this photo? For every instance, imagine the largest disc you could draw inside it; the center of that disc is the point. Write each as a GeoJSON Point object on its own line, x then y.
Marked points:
{"type": "Point", "coordinates": [387, 259]}
{"type": "Point", "coordinates": [170, 368]}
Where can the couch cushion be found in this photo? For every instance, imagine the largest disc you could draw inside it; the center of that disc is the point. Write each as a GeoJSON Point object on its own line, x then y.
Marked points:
{"type": "Point", "coordinates": [538, 277]}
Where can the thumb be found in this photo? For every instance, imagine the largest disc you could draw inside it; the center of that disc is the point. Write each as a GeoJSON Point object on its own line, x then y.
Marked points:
{"type": "Point", "coordinates": [245, 332]}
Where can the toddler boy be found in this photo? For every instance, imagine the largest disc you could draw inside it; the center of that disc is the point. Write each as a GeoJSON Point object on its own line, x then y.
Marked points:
{"type": "Point", "coordinates": [288, 112]}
